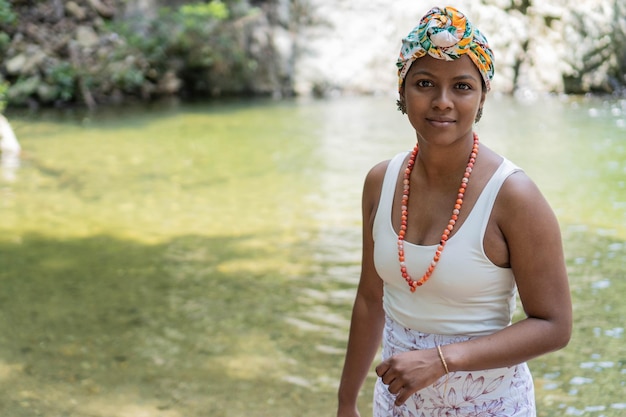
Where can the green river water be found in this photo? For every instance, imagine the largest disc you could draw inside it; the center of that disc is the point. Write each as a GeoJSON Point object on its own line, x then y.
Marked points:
{"type": "Point", "coordinates": [201, 259]}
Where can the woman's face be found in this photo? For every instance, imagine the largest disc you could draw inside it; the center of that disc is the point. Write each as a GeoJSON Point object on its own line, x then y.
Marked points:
{"type": "Point", "coordinates": [443, 97]}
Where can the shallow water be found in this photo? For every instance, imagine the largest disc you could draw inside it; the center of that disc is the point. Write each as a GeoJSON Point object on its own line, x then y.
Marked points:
{"type": "Point", "coordinates": [201, 260]}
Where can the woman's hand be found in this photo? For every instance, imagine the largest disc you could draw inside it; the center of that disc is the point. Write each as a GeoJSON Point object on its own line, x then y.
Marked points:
{"type": "Point", "coordinates": [409, 372]}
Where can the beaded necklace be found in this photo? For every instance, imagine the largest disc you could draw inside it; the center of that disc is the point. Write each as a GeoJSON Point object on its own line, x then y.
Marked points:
{"type": "Point", "coordinates": [446, 233]}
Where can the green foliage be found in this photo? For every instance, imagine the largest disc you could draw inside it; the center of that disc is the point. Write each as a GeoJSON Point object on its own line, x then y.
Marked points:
{"type": "Point", "coordinates": [62, 79]}
{"type": "Point", "coordinates": [3, 99]}
{"type": "Point", "coordinates": [127, 77]}
{"type": "Point", "coordinates": [199, 41]}
{"type": "Point", "coordinates": [24, 87]}
{"type": "Point", "coordinates": [56, 84]}
{"type": "Point", "coordinates": [5, 40]}
{"type": "Point", "coordinates": [7, 16]}
{"type": "Point", "coordinates": [204, 44]}
{"type": "Point", "coordinates": [213, 10]}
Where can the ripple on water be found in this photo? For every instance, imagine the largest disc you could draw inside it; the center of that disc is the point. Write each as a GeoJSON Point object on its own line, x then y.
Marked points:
{"type": "Point", "coordinates": [598, 366]}
{"type": "Point", "coordinates": [618, 246]}
{"type": "Point", "coordinates": [297, 380]}
{"type": "Point", "coordinates": [592, 408]}
{"type": "Point", "coordinates": [331, 350]}
{"type": "Point", "coordinates": [615, 332]}
{"type": "Point", "coordinates": [573, 411]}
{"type": "Point", "coordinates": [602, 284]}
{"type": "Point", "coordinates": [580, 380]}
{"type": "Point", "coordinates": [550, 386]}
{"type": "Point", "coordinates": [593, 112]}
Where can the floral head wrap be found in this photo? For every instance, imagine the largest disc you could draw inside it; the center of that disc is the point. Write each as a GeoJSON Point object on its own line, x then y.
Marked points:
{"type": "Point", "coordinates": [446, 34]}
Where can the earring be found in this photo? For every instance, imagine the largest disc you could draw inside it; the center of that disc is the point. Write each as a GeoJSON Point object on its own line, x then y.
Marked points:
{"type": "Point", "coordinates": [401, 106]}
{"type": "Point", "coordinates": [478, 115]}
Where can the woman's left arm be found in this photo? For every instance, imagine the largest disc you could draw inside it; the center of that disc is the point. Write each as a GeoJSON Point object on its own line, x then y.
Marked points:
{"type": "Point", "coordinates": [533, 238]}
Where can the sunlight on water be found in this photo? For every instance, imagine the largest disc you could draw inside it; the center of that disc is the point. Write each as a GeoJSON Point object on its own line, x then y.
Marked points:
{"type": "Point", "coordinates": [162, 261]}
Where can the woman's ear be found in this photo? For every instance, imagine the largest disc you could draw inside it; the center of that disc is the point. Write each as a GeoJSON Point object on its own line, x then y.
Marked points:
{"type": "Point", "coordinates": [479, 113]}
{"type": "Point", "coordinates": [401, 103]}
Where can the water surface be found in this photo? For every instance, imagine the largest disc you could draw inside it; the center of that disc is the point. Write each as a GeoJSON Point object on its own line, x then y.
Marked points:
{"type": "Point", "coordinates": [201, 260]}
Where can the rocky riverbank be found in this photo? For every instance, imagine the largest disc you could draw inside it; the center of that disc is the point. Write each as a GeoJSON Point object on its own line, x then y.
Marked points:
{"type": "Point", "coordinates": [108, 51]}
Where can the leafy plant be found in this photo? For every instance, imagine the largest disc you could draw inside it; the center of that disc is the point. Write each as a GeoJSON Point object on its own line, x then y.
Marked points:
{"type": "Point", "coordinates": [7, 16]}
{"type": "Point", "coordinates": [213, 10]}
{"type": "Point", "coordinates": [198, 41]}
{"type": "Point", "coordinates": [3, 99]}
{"type": "Point", "coordinates": [63, 78]}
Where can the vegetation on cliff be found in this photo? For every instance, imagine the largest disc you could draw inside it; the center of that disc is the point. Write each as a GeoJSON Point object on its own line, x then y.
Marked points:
{"type": "Point", "coordinates": [99, 51]}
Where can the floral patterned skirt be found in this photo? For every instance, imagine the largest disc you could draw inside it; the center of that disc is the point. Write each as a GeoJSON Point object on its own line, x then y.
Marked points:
{"type": "Point", "coordinates": [502, 392]}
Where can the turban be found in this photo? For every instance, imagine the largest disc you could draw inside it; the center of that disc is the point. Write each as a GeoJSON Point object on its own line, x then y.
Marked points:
{"type": "Point", "coordinates": [446, 34]}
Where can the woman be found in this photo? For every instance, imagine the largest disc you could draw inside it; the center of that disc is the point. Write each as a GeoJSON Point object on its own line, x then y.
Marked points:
{"type": "Point", "coordinates": [450, 232]}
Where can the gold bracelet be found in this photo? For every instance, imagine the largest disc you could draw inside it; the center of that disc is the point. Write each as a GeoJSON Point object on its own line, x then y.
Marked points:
{"type": "Point", "coordinates": [443, 360]}
{"type": "Point", "coordinates": [445, 366]}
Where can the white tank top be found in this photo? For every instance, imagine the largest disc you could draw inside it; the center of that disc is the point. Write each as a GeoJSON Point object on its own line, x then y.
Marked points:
{"type": "Point", "coordinates": [466, 294]}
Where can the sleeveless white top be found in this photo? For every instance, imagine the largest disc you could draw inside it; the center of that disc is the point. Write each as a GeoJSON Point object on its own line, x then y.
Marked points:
{"type": "Point", "coordinates": [466, 294]}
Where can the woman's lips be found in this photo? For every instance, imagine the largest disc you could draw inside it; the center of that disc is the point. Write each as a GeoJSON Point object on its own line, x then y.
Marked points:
{"type": "Point", "coordinates": [440, 122]}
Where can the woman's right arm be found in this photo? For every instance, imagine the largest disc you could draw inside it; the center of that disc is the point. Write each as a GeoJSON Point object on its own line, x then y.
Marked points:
{"type": "Point", "coordinates": [367, 314]}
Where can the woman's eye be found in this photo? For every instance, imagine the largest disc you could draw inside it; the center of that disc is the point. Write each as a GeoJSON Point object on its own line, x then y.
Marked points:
{"type": "Point", "coordinates": [464, 86]}
{"type": "Point", "coordinates": [424, 83]}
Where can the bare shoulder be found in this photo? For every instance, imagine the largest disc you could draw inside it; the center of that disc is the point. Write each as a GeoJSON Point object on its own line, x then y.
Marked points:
{"type": "Point", "coordinates": [375, 177]}
{"type": "Point", "coordinates": [519, 194]}
{"type": "Point", "coordinates": [372, 188]}
{"type": "Point", "coordinates": [377, 172]}
{"type": "Point", "coordinates": [525, 218]}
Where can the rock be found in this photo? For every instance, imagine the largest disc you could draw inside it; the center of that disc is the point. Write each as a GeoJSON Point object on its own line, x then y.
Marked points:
{"type": "Point", "coordinates": [36, 32]}
{"type": "Point", "coordinates": [86, 36]}
{"type": "Point", "coordinates": [169, 84]}
{"type": "Point", "coordinates": [27, 62]}
{"type": "Point", "coordinates": [75, 10]}
{"type": "Point", "coordinates": [15, 64]}
{"type": "Point", "coordinates": [537, 45]}
{"type": "Point", "coordinates": [34, 59]}
{"type": "Point", "coordinates": [103, 9]}
{"type": "Point", "coordinates": [141, 8]}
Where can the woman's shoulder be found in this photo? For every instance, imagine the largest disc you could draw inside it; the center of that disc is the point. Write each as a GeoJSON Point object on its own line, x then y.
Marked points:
{"type": "Point", "coordinates": [521, 197]}
{"type": "Point", "coordinates": [374, 179]}
{"type": "Point", "coordinates": [518, 185]}
{"type": "Point", "coordinates": [515, 181]}
{"type": "Point", "coordinates": [518, 191]}
{"type": "Point", "coordinates": [378, 171]}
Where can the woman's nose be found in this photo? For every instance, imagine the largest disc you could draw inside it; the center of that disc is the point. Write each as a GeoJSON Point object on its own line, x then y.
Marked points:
{"type": "Point", "coordinates": [442, 99]}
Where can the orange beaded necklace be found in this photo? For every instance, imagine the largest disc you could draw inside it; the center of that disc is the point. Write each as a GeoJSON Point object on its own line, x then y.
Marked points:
{"type": "Point", "coordinates": [446, 233]}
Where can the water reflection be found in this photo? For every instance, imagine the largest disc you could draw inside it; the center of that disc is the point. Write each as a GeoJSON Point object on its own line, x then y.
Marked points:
{"type": "Point", "coordinates": [9, 150]}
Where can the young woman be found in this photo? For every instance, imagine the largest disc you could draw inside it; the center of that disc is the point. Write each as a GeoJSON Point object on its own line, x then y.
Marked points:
{"type": "Point", "coordinates": [451, 231]}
